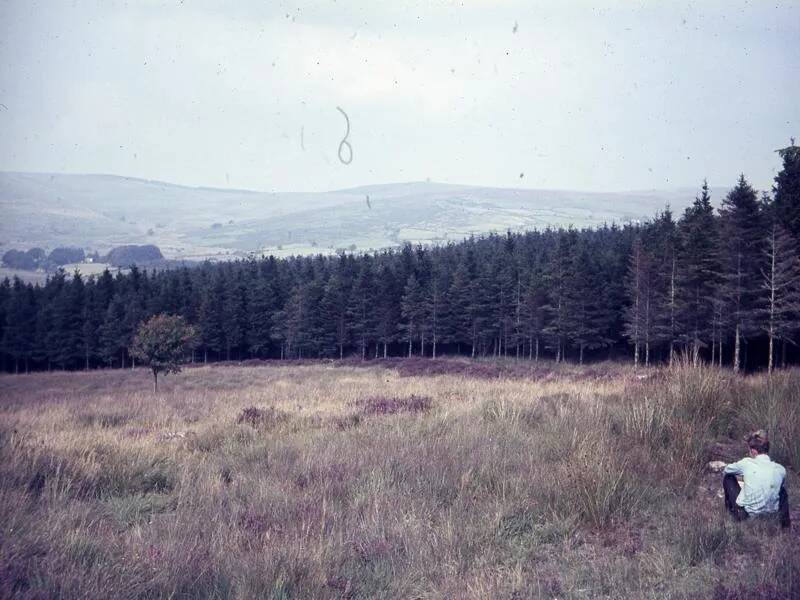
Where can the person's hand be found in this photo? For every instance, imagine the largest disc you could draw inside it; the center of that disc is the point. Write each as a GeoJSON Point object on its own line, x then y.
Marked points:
{"type": "Point", "coordinates": [716, 466]}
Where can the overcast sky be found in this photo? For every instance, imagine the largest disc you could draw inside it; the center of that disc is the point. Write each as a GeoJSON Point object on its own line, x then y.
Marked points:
{"type": "Point", "coordinates": [512, 93]}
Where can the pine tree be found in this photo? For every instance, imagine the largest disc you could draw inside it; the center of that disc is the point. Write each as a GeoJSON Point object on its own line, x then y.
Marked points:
{"type": "Point", "coordinates": [211, 319]}
{"type": "Point", "coordinates": [20, 321]}
{"type": "Point", "coordinates": [638, 291]}
{"type": "Point", "coordinates": [781, 283]}
{"type": "Point", "coordinates": [559, 276]}
{"type": "Point", "coordinates": [697, 274]}
{"type": "Point", "coordinates": [360, 307]}
{"type": "Point", "coordinates": [437, 308]}
{"type": "Point", "coordinates": [742, 259]}
{"type": "Point", "coordinates": [533, 311]}
{"type": "Point", "coordinates": [665, 282]}
{"type": "Point", "coordinates": [787, 190]}
{"type": "Point", "coordinates": [235, 315]}
{"type": "Point", "coordinates": [388, 308]}
{"type": "Point", "coordinates": [113, 339]}
{"type": "Point", "coordinates": [5, 295]}
{"type": "Point", "coordinates": [413, 311]}
{"type": "Point", "coordinates": [66, 336]}
{"type": "Point", "coordinates": [261, 302]}
{"type": "Point", "coordinates": [463, 306]}
{"type": "Point", "coordinates": [334, 316]}
{"type": "Point", "coordinates": [586, 320]}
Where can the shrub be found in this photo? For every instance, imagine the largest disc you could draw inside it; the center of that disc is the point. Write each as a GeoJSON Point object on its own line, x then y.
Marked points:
{"type": "Point", "coordinates": [262, 418]}
{"type": "Point", "coordinates": [105, 420]}
{"type": "Point", "coordinates": [703, 539]}
{"type": "Point", "coordinates": [381, 405]}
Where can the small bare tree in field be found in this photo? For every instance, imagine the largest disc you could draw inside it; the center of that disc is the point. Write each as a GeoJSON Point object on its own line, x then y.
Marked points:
{"type": "Point", "coordinates": [162, 343]}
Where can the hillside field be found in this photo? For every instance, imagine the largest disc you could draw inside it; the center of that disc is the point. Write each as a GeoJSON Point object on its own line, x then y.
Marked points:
{"type": "Point", "coordinates": [392, 479]}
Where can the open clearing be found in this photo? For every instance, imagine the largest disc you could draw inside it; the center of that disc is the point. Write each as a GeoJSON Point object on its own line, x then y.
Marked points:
{"type": "Point", "coordinates": [417, 479]}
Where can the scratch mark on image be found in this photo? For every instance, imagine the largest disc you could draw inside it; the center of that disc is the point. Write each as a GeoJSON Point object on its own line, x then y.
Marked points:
{"type": "Point", "coordinates": [302, 143]}
{"type": "Point", "coordinates": [344, 142]}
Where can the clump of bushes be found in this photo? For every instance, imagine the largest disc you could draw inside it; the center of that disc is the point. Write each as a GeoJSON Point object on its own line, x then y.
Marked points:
{"type": "Point", "coordinates": [381, 405]}
{"type": "Point", "coordinates": [347, 421]}
{"type": "Point", "coordinates": [106, 420]}
{"type": "Point", "coordinates": [262, 418]}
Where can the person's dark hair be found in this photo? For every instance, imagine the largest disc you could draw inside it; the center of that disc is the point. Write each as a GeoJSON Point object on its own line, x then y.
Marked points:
{"type": "Point", "coordinates": [758, 441]}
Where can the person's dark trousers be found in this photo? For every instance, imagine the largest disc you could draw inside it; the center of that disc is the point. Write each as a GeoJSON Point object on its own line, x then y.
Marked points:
{"type": "Point", "coordinates": [783, 508]}
{"type": "Point", "coordinates": [731, 487]}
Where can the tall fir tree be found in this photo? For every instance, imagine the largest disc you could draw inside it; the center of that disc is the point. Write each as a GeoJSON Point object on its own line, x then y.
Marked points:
{"type": "Point", "coordinates": [787, 190]}
{"type": "Point", "coordinates": [697, 274]}
{"type": "Point", "coordinates": [742, 259]}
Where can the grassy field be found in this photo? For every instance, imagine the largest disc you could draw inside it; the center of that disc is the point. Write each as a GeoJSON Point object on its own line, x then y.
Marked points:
{"type": "Point", "coordinates": [419, 479]}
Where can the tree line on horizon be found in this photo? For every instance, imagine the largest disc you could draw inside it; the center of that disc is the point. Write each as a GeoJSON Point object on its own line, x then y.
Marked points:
{"type": "Point", "coordinates": [718, 286]}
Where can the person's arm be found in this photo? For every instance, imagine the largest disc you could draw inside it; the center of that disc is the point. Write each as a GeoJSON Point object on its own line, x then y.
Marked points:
{"type": "Point", "coordinates": [734, 469]}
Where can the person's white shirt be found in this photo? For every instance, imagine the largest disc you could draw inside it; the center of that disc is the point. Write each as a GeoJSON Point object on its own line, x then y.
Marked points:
{"type": "Point", "coordinates": [762, 483]}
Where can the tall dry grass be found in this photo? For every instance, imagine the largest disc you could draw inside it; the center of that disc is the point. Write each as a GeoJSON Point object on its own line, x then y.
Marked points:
{"type": "Point", "coordinates": [321, 481]}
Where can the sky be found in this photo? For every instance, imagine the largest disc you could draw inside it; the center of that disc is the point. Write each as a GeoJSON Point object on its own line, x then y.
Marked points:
{"type": "Point", "coordinates": [599, 96]}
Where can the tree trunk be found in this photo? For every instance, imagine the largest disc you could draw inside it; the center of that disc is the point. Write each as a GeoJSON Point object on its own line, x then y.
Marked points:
{"type": "Point", "coordinates": [155, 381]}
{"type": "Point", "coordinates": [537, 349]}
{"type": "Point", "coordinates": [771, 351]}
{"type": "Point", "coordinates": [736, 350]}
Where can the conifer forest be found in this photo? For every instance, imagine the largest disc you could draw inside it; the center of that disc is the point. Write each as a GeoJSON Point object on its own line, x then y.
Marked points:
{"type": "Point", "coordinates": [718, 284]}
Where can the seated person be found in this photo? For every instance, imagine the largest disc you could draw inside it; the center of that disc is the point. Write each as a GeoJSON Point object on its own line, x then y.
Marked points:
{"type": "Point", "coordinates": [762, 490]}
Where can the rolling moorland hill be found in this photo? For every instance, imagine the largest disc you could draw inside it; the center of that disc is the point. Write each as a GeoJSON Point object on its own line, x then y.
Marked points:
{"type": "Point", "coordinates": [103, 211]}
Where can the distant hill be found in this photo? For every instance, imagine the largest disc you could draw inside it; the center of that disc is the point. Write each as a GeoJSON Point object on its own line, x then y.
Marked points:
{"type": "Point", "coordinates": [100, 212]}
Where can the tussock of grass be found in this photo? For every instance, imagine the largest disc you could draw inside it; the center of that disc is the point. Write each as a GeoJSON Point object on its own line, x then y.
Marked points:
{"type": "Point", "coordinates": [262, 418]}
{"type": "Point", "coordinates": [382, 405]}
{"type": "Point", "coordinates": [435, 479]}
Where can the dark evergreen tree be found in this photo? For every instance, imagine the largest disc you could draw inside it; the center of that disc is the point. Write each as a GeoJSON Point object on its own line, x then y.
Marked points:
{"type": "Point", "coordinates": [413, 311]}
{"type": "Point", "coordinates": [742, 259]}
{"type": "Point", "coordinates": [360, 309]}
{"type": "Point", "coordinates": [20, 321]}
{"type": "Point", "coordinates": [697, 274]}
{"type": "Point", "coordinates": [211, 318]}
{"type": "Point", "coordinates": [113, 335]}
{"type": "Point", "coordinates": [787, 190]}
